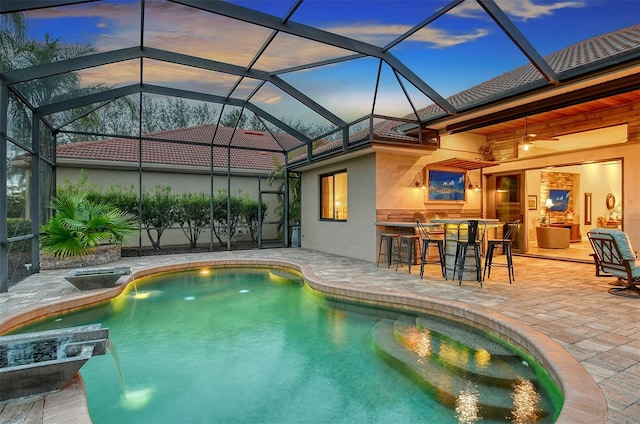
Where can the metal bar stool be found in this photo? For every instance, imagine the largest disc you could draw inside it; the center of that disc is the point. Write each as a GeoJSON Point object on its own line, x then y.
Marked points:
{"type": "Point", "coordinates": [426, 242]}
{"type": "Point", "coordinates": [470, 234]}
{"type": "Point", "coordinates": [409, 242]}
{"type": "Point", "coordinates": [387, 240]}
{"type": "Point", "coordinates": [505, 243]}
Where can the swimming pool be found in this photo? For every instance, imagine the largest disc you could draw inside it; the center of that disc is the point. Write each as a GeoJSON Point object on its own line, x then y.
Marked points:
{"type": "Point", "coordinates": [256, 347]}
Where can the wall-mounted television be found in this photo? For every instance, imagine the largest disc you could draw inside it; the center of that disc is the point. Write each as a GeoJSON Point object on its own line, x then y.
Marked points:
{"type": "Point", "coordinates": [445, 186]}
{"type": "Point", "coordinates": [560, 199]}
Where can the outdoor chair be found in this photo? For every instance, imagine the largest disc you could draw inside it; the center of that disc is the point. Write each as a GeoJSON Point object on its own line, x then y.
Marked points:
{"type": "Point", "coordinates": [504, 242]}
{"type": "Point", "coordinates": [387, 241]}
{"type": "Point", "coordinates": [470, 235]}
{"type": "Point", "coordinates": [427, 241]}
{"type": "Point", "coordinates": [407, 250]}
{"type": "Point", "coordinates": [616, 257]}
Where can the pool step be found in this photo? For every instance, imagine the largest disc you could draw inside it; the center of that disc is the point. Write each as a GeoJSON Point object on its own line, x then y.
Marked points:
{"type": "Point", "coordinates": [424, 366]}
{"type": "Point", "coordinates": [471, 338]}
{"type": "Point", "coordinates": [473, 359]}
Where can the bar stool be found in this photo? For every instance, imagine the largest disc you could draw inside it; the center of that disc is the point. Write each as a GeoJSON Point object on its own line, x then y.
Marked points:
{"type": "Point", "coordinates": [387, 240]}
{"type": "Point", "coordinates": [409, 242]}
{"type": "Point", "coordinates": [473, 238]}
{"type": "Point", "coordinates": [426, 242]}
{"type": "Point", "coordinates": [505, 242]}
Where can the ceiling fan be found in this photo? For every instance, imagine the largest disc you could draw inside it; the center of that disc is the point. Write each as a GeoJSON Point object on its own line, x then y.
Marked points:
{"type": "Point", "coordinates": [528, 138]}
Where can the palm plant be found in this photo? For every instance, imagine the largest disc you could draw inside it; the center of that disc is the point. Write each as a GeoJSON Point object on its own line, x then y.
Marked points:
{"type": "Point", "coordinates": [79, 225]}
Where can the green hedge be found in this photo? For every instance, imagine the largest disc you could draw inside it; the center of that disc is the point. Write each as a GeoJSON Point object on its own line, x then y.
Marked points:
{"type": "Point", "coordinates": [161, 209]}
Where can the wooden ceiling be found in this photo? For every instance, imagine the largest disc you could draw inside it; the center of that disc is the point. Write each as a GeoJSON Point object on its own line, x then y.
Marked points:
{"type": "Point", "coordinates": [586, 107]}
{"type": "Point", "coordinates": [467, 164]}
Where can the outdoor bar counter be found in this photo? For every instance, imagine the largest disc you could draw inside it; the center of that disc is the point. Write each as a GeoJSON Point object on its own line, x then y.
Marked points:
{"type": "Point", "coordinates": [404, 228]}
{"type": "Point", "coordinates": [451, 242]}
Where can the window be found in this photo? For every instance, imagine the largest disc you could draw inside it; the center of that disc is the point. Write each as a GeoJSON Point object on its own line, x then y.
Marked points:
{"type": "Point", "coordinates": [333, 197]}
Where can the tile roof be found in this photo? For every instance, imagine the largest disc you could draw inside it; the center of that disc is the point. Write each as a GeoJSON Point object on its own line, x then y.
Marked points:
{"type": "Point", "coordinates": [602, 49]}
{"type": "Point", "coordinates": [156, 151]}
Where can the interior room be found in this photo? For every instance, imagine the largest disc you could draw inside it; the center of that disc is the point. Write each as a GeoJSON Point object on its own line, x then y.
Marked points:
{"type": "Point", "coordinates": [576, 198]}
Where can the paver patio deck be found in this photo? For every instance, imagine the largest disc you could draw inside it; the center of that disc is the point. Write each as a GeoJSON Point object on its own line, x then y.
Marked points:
{"type": "Point", "coordinates": [563, 300]}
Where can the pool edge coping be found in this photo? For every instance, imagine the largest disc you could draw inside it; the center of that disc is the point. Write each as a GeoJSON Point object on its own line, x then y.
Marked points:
{"type": "Point", "coordinates": [584, 401]}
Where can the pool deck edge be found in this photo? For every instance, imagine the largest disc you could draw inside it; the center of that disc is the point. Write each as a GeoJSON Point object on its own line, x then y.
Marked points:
{"type": "Point", "coordinates": [584, 401]}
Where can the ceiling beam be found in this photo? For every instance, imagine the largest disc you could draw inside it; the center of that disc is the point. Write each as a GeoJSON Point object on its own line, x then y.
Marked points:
{"type": "Point", "coordinates": [99, 59]}
{"type": "Point", "coordinates": [265, 20]}
{"type": "Point", "coordinates": [165, 91]}
{"type": "Point", "coordinates": [226, 68]}
{"type": "Point", "coordinates": [442, 11]}
{"type": "Point", "coordinates": [70, 65]}
{"type": "Point", "coordinates": [88, 99]}
{"type": "Point", "coordinates": [519, 40]}
{"type": "Point", "coordinates": [12, 6]}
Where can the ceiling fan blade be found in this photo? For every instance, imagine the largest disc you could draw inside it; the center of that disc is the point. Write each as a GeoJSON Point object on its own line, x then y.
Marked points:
{"type": "Point", "coordinates": [534, 137]}
{"type": "Point", "coordinates": [529, 137]}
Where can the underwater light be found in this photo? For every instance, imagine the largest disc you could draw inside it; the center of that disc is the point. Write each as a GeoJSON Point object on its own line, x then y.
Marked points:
{"type": "Point", "coordinates": [136, 399]}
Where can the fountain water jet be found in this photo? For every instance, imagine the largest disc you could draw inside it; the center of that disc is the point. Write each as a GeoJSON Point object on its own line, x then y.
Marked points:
{"type": "Point", "coordinates": [111, 348]}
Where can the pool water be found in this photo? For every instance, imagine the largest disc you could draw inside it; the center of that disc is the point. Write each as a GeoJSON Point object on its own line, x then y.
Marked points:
{"type": "Point", "coordinates": [253, 346]}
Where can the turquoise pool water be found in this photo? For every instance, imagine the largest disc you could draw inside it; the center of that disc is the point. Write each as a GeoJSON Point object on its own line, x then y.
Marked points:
{"type": "Point", "coordinates": [247, 346]}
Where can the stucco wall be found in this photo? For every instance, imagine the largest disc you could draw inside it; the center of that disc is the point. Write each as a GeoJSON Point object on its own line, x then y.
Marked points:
{"type": "Point", "coordinates": [356, 237]}
{"type": "Point", "coordinates": [397, 174]}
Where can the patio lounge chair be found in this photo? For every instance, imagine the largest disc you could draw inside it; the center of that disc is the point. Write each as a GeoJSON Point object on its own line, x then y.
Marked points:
{"type": "Point", "coordinates": [616, 257]}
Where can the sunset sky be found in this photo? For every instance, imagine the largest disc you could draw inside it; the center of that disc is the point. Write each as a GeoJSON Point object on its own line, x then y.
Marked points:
{"type": "Point", "coordinates": [457, 51]}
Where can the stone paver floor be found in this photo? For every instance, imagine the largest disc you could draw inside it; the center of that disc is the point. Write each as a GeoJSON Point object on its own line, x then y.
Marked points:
{"type": "Point", "coordinates": [564, 300]}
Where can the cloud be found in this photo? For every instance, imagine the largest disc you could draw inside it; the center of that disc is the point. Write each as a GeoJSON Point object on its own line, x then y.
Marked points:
{"type": "Point", "coordinates": [381, 34]}
{"type": "Point", "coordinates": [520, 10]}
{"type": "Point", "coordinates": [189, 31]}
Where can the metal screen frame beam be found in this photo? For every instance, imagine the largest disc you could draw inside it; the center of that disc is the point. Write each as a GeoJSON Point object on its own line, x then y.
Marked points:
{"type": "Point", "coordinates": [314, 34]}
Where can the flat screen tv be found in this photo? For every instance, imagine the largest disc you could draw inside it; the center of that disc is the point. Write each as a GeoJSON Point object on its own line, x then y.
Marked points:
{"type": "Point", "coordinates": [445, 186]}
{"type": "Point", "coordinates": [560, 199]}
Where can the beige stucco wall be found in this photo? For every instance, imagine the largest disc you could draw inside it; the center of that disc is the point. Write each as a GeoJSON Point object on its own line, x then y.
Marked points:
{"type": "Point", "coordinates": [397, 174]}
{"type": "Point", "coordinates": [180, 183]}
{"type": "Point", "coordinates": [357, 236]}
{"type": "Point", "coordinates": [384, 179]}
{"type": "Point", "coordinates": [394, 175]}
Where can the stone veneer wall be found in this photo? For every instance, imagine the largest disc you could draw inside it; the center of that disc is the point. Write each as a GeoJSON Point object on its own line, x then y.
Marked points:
{"type": "Point", "coordinates": [557, 180]}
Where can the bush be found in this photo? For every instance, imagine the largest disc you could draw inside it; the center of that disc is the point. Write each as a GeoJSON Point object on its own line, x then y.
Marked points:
{"type": "Point", "coordinates": [250, 217]}
{"type": "Point", "coordinates": [79, 225]}
{"type": "Point", "coordinates": [192, 213]}
{"type": "Point", "coordinates": [157, 212]}
{"type": "Point", "coordinates": [220, 215]}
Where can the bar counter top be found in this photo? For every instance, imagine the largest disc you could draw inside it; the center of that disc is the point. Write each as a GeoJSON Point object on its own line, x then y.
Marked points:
{"type": "Point", "coordinates": [405, 224]}
{"type": "Point", "coordinates": [459, 220]}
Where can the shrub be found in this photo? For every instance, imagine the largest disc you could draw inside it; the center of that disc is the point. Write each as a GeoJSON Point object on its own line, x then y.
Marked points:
{"type": "Point", "coordinates": [79, 225]}
{"type": "Point", "coordinates": [249, 214]}
{"type": "Point", "coordinates": [157, 213]}
{"type": "Point", "coordinates": [192, 213]}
